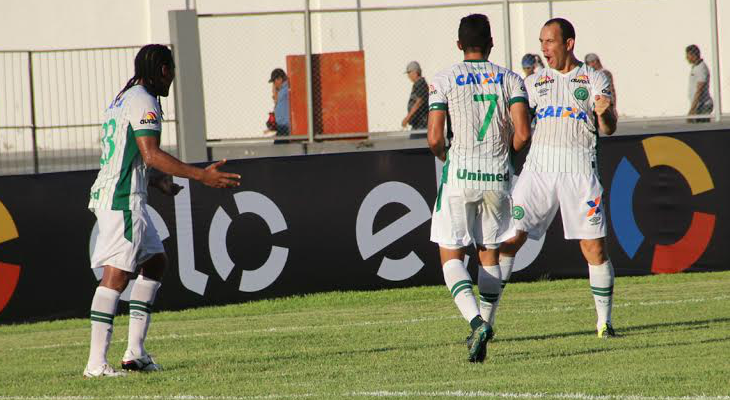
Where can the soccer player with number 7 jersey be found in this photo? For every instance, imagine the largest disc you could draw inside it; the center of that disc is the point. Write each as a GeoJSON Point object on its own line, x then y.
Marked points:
{"type": "Point", "coordinates": [482, 104]}
{"type": "Point", "coordinates": [572, 103]}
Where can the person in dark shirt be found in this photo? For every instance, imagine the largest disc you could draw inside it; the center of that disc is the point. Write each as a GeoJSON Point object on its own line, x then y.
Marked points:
{"type": "Point", "coordinates": [417, 115]}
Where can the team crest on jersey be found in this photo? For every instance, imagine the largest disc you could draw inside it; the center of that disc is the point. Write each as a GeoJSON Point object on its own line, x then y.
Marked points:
{"type": "Point", "coordinates": [561, 112]}
{"type": "Point", "coordinates": [518, 212]}
{"type": "Point", "coordinates": [149, 118]}
{"type": "Point", "coordinates": [581, 79]}
{"type": "Point", "coordinates": [479, 78]}
{"type": "Point", "coordinates": [581, 93]}
{"type": "Point", "coordinates": [544, 80]}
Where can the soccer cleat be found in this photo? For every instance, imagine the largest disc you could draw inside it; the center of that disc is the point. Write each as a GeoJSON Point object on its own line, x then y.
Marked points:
{"type": "Point", "coordinates": [606, 331]}
{"type": "Point", "coordinates": [140, 364]}
{"type": "Point", "coordinates": [105, 370]}
{"type": "Point", "coordinates": [477, 342]}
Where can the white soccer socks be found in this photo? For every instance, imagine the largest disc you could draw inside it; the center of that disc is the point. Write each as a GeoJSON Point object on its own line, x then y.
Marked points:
{"type": "Point", "coordinates": [140, 314]}
{"type": "Point", "coordinates": [601, 280]}
{"type": "Point", "coordinates": [459, 283]}
{"type": "Point", "coordinates": [490, 287]}
{"type": "Point", "coordinates": [103, 308]}
{"type": "Point", "coordinates": [499, 279]}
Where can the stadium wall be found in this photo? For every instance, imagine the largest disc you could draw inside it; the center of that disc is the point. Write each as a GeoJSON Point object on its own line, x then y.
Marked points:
{"type": "Point", "coordinates": [352, 221]}
{"type": "Point", "coordinates": [642, 42]}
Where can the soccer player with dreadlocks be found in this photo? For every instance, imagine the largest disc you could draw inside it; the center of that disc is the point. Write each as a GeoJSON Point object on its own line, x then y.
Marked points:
{"type": "Point", "coordinates": [128, 242]}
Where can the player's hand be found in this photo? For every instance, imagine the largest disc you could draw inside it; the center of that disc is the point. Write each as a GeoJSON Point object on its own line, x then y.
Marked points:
{"type": "Point", "coordinates": [405, 122]}
{"type": "Point", "coordinates": [603, 103]}
{"type": "Point", "coordinates": [219, 179]}
{"type": "Point", "coordinates": [167, 186]}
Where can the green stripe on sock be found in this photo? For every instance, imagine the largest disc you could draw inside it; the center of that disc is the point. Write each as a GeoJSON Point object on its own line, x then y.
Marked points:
{"type": "Point", "coordinates": [488, 297]}
{"type": "Point", "coordinates": [599, 291]}
{"type": "Point", "coordinates": [140, 308]}
{"type": "Point", "coordinates": [101, 314]}
{"type": "Point", "coordinates": [459, 288]}
{"type": "Point", "coordinates": [103, 320]}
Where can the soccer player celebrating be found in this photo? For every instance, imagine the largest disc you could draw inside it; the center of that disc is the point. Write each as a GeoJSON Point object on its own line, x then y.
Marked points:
{"type": "Point", "coordinates": [572, 103]}
{"type": "Point", "coordinates": [482, 103]}
{"type": "Point", "coordinates": [128, 242]}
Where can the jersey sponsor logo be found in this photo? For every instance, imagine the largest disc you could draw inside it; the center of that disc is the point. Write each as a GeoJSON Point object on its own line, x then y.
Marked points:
{"type": "Point", "coordinates": [543, 92]}
{"type": "Point", "coordinates": [479, 79]}
{"type": "Point", "coordinates": [581, 79]}
{"type": "Point", "coordinates": [544, 80]}
{"type": "Point", "coordinates": [595, 206]}
{"type": "Point", "coordinates": [581, 93]}
{"type": "Point", "coordinates": [561, 112]}
{"type": "Point", "coordinates": [149, 118]}
{"type": "Point", "coordinates": [480, 176]}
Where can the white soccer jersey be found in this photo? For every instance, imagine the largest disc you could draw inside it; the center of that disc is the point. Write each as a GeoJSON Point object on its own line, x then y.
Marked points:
{"type": "Point", "coordinates": [566, 133]}
{"type": "Point", "coordinates": [122, 180]}
{"type": "Point", "coordinates": [477, 95]}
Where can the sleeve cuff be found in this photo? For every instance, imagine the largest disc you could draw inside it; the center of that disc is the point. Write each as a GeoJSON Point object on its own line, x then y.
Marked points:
{"type": "Point", "coordinates": [147, 132]}
{"type": "Point", "coordinates": [517, 100]}
{"type": "Point", "coordinates": [438, 106]}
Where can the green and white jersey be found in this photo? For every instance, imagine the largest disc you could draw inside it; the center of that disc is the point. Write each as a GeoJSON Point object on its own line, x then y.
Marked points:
{"type": "Point", "coordinates": [123, 178]}
{"type": "Point", "coordinates": [477, 95]}
{"type": "Point", "coordinates": [566, 132]}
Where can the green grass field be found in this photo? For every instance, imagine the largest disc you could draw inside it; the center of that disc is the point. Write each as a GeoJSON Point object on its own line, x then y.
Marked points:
{"type": "Point", "coordinates": [408, 343]}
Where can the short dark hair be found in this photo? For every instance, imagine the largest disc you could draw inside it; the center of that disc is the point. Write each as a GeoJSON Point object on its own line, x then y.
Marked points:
{"type": "Point", "coordinates": [693, 49]}
{"type": "Point", "coordinates": [566, 28]}
{"type": "Point", "coordinates": [475, 33]}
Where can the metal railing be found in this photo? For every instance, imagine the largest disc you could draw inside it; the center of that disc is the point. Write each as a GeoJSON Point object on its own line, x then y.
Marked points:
{"type": "Point", "coordinates": [52, 103]}
{"type": "Point", "coordinates": [387, 36]}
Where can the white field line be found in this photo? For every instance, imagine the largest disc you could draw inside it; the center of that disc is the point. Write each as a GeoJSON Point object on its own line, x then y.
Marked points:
{"type": "Point", "coordinates": [508, 395]}
{"type": "Point", "coordinates": [177, 336]}
{"type": "Point", "coordinates": [384, 393]}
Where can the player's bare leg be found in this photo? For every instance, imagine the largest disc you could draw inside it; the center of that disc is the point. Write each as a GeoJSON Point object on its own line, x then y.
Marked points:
{"type": "Point", "coordinates": [103, 309]}
{"type": "Point", "coordinates": [459, 283]}
{"type": "Point", "coordinates": [601, 276]}
{"type": "Point", "coordinates": [141, 300]}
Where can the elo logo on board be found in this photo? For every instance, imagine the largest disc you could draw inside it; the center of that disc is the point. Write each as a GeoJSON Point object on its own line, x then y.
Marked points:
{"type": "Point", "coordinates": [9, 273]}
{"type": "Point", "coordinates": [663, 151]}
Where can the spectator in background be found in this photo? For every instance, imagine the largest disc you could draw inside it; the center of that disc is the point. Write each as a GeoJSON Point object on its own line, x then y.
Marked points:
{"type": "Point", "coordinates": [531, 64]}
{"type": "Point", "coordinates": [699, 85]}
{"type": "Point", "coordinates": [281, 96]}
{"type": "Point", "coordinates": [417, 115]}
{"type": "Point", "coordinates": [594, 62]}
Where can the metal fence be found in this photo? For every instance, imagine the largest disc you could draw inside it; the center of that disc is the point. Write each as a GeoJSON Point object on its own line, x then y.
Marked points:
{"type": "Point", "coordinates": [52, 104]}
{"type": "Point", "coordinates": [641, 42]}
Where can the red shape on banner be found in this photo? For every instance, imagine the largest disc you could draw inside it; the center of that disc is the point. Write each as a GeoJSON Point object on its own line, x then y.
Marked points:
{"type": "Point", "coordinates": [9, 275]}
{"type": "Point", "coordinates": [677, 257]}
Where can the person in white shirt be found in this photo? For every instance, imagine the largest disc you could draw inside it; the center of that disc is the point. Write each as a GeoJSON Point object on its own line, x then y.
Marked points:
{"type": "Point", "coordinates": [699, 85]}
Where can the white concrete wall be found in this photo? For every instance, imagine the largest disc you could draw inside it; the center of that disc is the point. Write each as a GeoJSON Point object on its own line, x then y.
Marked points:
{"type": "Point", "coordinates": [641, 41]}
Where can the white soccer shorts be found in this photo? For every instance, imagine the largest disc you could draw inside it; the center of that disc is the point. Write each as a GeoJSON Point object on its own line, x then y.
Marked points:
{"type": "Point", "coordinates": [464, 216]}
{"type": "Point", "coordinates": [126, 239]}
{"type": "Point", "coordinates": [537, 196]}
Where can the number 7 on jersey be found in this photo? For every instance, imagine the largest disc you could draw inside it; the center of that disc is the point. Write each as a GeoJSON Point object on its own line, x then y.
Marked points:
{"type": "Point", "coordinates": [492, 99]}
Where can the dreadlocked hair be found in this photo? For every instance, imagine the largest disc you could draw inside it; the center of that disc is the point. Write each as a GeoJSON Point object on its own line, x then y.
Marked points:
{"type": "Point", "coordinates": [148, 70]}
